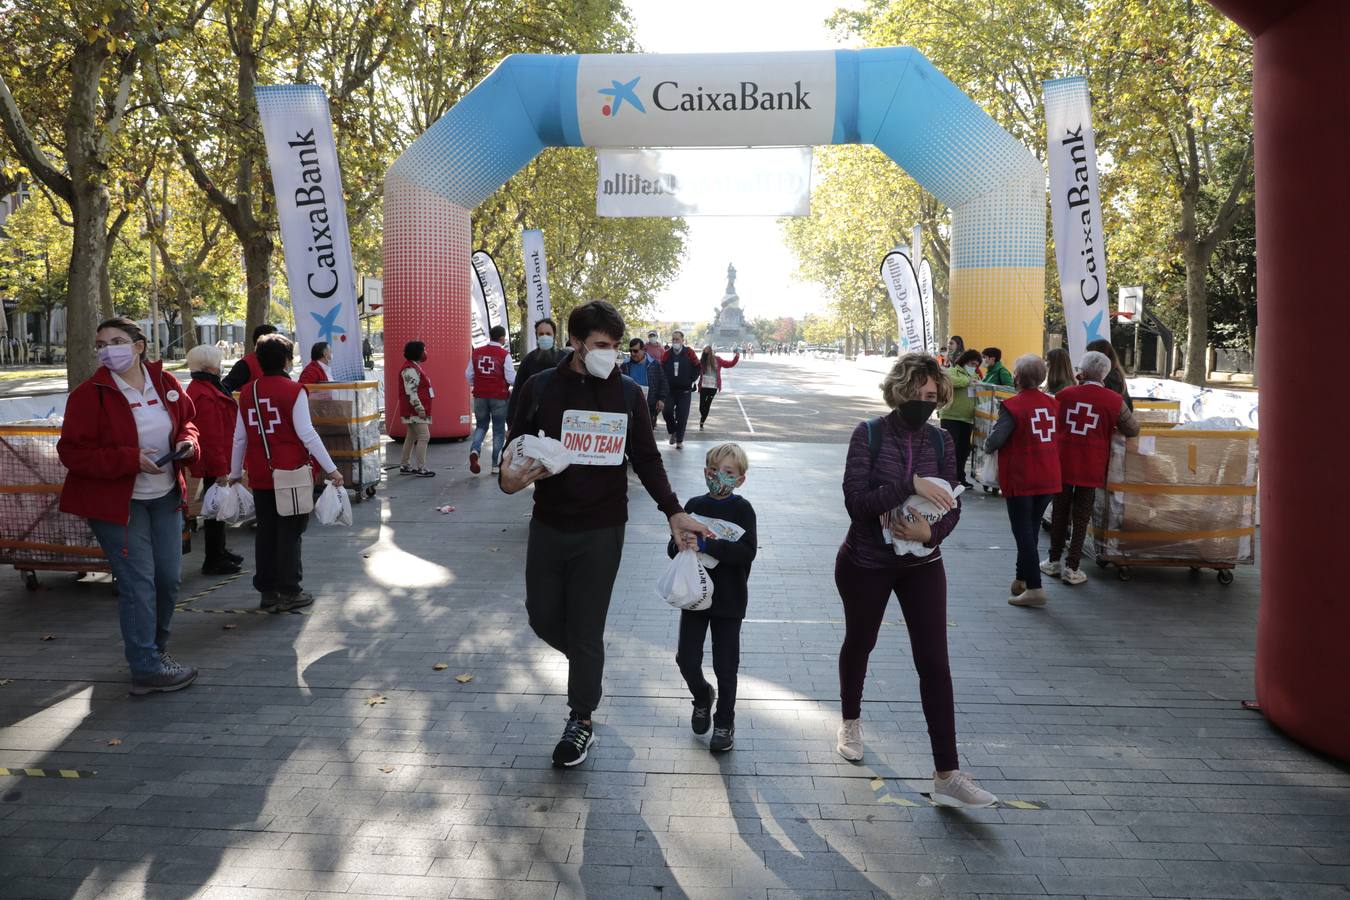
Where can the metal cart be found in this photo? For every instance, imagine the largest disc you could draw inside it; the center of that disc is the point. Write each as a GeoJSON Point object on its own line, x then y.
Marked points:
{"type": "Point", "coordinates": [347, 417]}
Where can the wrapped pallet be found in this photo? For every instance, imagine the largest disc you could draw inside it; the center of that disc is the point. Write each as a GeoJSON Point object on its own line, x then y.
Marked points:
{"type": "Point", "coordinates": [347, 417]}
{"type": "Point", "coordinates": [34, 533]}
{"type": "Point", "coordinates": [1181, 496]}
{"type": "Point", "coordinates": [988, 400]}
{"type": "Point", "coordinates": [1151, 413]}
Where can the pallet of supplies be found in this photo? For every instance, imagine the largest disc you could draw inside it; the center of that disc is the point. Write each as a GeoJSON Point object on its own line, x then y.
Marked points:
{"type": "Point", "coordinates": [1151, 413]}
{"type": "Point", "coordinates": [347, 417]}
{"type": "Point", "coordinates": [34, 533]}
{"type": "Point", "coordinates": [1184, 496]}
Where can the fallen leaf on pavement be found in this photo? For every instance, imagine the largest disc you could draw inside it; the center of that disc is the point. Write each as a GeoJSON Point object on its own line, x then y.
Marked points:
{"type": "Point", "coordinates": [115, 742]}
{"type": "Point", "coordinates": [445, 510]}
{"type": "Point", "coordinates": [386, 769]}
{"type": "Point", "coordinates": [49, 637]}
{"type": "Point", "coordinates": [5, 681]}
{"type": "Point", "coordinates": [464, 679]}
{"type": "Point", "coordinates": [441, 667]}
{"type": "Point", "coordinates": [375, 700]}
{"type": "Point", "coordinates": [227, 627]}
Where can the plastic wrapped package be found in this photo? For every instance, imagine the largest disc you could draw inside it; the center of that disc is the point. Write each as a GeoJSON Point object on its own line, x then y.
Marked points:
{"type": "Point", "coordinates": [34, 533]}
{"type": "Point", "coordinates": [1179, 496]}
{"type": "Point", "coordinates": [347, 417]}
{"type": "Point", "coordinates": [1157, 413]}
{"type": "Point", "coordinates": [988, 400]}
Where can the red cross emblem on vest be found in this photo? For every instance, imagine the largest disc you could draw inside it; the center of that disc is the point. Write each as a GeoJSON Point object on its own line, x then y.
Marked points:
{"type": "Point", "coordinates": [1043, 424]}
{"type": "Point", "coordinates": [1082, 415]}
{"type": "Point", "coordinates": [273, 416]}
{"type": "Point", "coordinates": [487, 365]}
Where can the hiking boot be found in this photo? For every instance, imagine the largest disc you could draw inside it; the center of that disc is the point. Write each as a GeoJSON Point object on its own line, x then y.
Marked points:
{"type": "Point", "coordinates": [220, 567]}
{"type": "Point", "coordinates": [289, 602]}
{"type": "Point", "coordinates": [474, 467]}
{"type": "Point", "coordinates": [269, 601]}
{"type": "Point", "coordinates": [1018, 588]}
{"type": "Point", "coordinates": [1052, 567]}
{"type": "Point", "coordinates": [961, 791]}
{"type": "Point", "coordinates": [172, 676]}
{"type": "Point", "coordinates": [577, 739]}
{"type": "Point", "coordinates": [723, 739]}
{"type": "Point", "coordinates": [701, 720]}
{"type": "Point", "coordinates": [1034, 597]}
{"type": "Point", "coordinates": [850, 745]}
{"type": "Point", "coordinates": [1072, 576]}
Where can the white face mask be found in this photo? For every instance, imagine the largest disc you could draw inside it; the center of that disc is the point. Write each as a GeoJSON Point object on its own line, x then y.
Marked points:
{"type": "Point", "coordinates": [971, 369]}
{"type": "Point", "coordinates": [601, 362]}
{"type": "Point", "coordinates": [676, 346]}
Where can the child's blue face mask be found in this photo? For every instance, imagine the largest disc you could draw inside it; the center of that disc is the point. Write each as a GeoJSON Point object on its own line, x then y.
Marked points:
{"type": "Point", "coordinates": [720, 483]}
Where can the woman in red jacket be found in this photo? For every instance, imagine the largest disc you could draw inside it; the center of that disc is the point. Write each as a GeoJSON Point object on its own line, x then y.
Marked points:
{"type": "Point", "coordinates": [126, 436]}
{"type": "Point", "coordinates": [1025, 437]}
{"type": "Point", "coordinates": [710, 367]}
{"type": "Point", "coordinates": [216, 412]}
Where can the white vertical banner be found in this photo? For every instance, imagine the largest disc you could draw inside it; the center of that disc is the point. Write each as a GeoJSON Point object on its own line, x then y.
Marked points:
{"type": "Point", "coordinates": [925, 275]}
{"type": "Point", "coordinates": [536, 283]}
{"type": "Point", "coordinates": [916, 243]}
{"type": "Point", "coordinates": [478, 320]}
{"type": "Point", "coordinates": [1075, 206]}
{"type": "Point", "coordinates": [902, 284]}
{"type": "Point", "coordinates": [490, 282]}
{"type": "Point", "coordinates": [298, 131]}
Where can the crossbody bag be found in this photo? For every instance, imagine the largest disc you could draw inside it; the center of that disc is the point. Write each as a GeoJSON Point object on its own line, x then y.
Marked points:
{"type": "Point", "coordinates": [294, 488]}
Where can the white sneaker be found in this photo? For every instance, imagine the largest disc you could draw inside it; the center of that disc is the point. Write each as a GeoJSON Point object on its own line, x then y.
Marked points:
{"type": "Point", "coordinates": [850, 744]}
{"type": "Point", "coordinates": [961, 791]}
{"type": "Point", "coordinates": [1052, 567]}
{"type": "Point", "coordinates": [1073, 576]}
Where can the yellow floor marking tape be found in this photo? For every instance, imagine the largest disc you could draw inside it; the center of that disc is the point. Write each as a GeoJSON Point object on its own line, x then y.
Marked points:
{"type": "Point", "coordinates": [215, 587]}
{"type": "Point", "coordinates": [46, 773]}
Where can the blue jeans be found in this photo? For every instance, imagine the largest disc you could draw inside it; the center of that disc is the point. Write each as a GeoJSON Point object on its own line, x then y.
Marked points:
{"type": "Point", "coordinates": [146, 558]}
{"type": "Point", "coordinates": [1024, 515]}
{"type": "Point", "coordinates": [493, 411]}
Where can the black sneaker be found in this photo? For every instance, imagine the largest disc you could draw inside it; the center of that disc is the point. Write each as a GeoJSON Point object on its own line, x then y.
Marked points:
{"type": "Point", "coordinates": [172, 676]}
{"type": "Point", "coordinates": [289, 602]}
{"type": "Point", "coordinates": [723, 739]}
{"type": "Point", "coordinates": [233, 557]}
{"type": "Point", "coordinates": [701, 720]}
{"type": "Point", "coordinates": [269, 601]}
{"type": "Point", "coordinates": [576, 741]}
{"type": "Point", "coordinates": [221, 567]}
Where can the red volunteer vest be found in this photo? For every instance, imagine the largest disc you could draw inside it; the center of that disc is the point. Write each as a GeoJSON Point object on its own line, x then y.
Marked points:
{"type": "Point", "coordinates": [254, 367]}
{"type": "Point", "coordinates": [489, 372]}
{"type": "Point", "coordinates": [276, 399]}
{"type": "Point", "coordinates": [424, 392]}
{"type": "Point", "coordinates": [1029, 463]}
{"type": "Point", "coordinates": [1087, 418]}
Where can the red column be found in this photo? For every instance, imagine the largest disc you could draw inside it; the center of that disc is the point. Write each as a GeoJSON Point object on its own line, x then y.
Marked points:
{"type": "Point", "coordinates": [1302, 76]}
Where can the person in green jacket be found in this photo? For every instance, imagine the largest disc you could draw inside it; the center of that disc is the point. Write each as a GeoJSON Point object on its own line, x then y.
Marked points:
{"type": "Point", "coordinates": [958, 417]}
{"type": "Point", "coordinates": [994, 370]}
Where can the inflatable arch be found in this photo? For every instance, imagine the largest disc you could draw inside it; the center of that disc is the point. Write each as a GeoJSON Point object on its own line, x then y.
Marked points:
{"type": "Point", "coordinates": [890, 97]}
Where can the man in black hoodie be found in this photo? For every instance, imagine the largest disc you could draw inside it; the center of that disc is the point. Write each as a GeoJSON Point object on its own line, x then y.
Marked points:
{"type": "Point", "coordinates": [577, 531]}
{"type": "Point", "coordinates": [680, 367]}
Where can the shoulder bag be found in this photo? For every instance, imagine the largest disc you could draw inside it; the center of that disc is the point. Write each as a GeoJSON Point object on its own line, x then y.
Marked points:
{"type": "Point", "coordinates": [294, 488]}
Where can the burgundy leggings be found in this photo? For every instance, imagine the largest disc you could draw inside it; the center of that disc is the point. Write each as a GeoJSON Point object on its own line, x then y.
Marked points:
{"type": "Point", "coordinates": [922, 591]}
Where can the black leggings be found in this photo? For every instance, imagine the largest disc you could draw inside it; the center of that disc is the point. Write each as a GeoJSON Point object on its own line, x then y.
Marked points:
{"type": "Point", "coordinates": [705, 399]}
{"type": "Point", "coordinates": [922, 591]}
{"type": "Point", "coordinates": [960, 432]}
{"type": "Point", "coordinates": [726, 654]}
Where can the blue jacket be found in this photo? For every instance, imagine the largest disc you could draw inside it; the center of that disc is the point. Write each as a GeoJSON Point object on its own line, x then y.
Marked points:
{"type": "Point", "coordinates": [658, 389]}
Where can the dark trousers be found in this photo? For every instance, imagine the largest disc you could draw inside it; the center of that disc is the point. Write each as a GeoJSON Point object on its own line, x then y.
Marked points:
{"type": "Point", "coordinates": [726, 654]}
{"type": "Point", "coordinates": [214, 536]}
{"type": "Point", "coordinates": [276, 547]}
{"type": "Point", "coordinates": [1024, 514]}
{"type": "Point", "coordinates": [960, 432]}
{"type": "Point", "coordinates": [1074, 503]}
{"type": "Point", "coordinates": [705, 399]}
{"type": "Point", "coordinates": [922, 592]}
{"type": "Point", "coordinates": [569, 576]}
{"type": "Point", "coordinates": [677, 413]}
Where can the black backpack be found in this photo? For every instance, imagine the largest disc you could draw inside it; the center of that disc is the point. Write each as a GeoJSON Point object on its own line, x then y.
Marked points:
{"type": "Point", "coordinates": [874, 432]}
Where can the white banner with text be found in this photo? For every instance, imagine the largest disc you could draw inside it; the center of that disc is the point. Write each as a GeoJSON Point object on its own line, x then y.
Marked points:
{"type": "Point", "coordinates": [902, 284]}
{"type": "Point", "coordinates": [771, 181]}
{"type": "Point", "coordinates": [536, 283]}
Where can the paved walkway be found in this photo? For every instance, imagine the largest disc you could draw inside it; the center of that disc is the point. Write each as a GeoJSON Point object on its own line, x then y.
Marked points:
{"type": "Point", "coordinates": [331, 754]}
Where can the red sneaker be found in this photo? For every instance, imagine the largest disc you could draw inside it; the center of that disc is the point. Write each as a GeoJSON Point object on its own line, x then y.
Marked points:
{"type": "Point", "coordinates": [474, 467]}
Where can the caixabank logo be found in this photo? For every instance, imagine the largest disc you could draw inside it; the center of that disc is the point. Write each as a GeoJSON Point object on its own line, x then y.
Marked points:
{"type": "Point", "coordinates": [706, 100]}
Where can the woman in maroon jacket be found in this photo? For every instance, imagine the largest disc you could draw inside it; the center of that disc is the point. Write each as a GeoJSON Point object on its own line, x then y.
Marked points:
{"type": "Point", "coordinates": [889, 460]}
{"type": "Point", "coordinates": [126, 436]}
{"type": "Point", "coordinates": [216, 412]}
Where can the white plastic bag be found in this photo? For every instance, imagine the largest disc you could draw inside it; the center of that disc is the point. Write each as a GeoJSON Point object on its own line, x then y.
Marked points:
{"type": "Point", "coordinates": [529, 450]}
{"type": "Point", "coordinates": [989, 470]}
{"type": "Point", "coordinates": [227, 506]}
{"type": "Point", "coordinates": [333, 507]}
{"type": "Point", "coordinates": [686, 584]}
{"type": "Point", "coordinates": [914, 506]}
{"type": "Point", "coordinates": [211, 500]}
{"type": "Point", "coordinates": [247, 509]}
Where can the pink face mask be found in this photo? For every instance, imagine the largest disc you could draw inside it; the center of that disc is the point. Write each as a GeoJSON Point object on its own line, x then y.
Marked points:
{"type": "Point", "coordinates": [117, 357]}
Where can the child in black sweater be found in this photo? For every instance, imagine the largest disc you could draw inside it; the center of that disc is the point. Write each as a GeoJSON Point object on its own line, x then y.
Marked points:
{"type": "Point", "coordinates": [724, 471]}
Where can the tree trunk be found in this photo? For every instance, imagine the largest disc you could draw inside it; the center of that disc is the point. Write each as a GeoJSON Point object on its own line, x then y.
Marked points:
{"type": "Point", "coordinates": [189, 325]}
{"type": "Point", "coordinates": [257, 271]}
{"type": "Point", "coordinates": [1197, 314]}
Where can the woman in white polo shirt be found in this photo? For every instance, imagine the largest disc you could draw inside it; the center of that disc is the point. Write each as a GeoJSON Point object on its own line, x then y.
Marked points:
{"type": "Point", "coordinates": [126, 437]}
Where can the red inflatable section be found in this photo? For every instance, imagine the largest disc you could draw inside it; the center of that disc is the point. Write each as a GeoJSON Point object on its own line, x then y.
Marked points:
{"type": "Point", "coordinates": [1302, 202]}
{"type": "Point", "coordinates": [426, 297]}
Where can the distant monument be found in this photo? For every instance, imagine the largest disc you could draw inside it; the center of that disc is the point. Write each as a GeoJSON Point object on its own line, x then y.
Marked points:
{"type": "Point", "coordinates": [728, 329]}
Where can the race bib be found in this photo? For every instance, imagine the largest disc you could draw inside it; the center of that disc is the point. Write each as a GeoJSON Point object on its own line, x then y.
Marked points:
{"type": "Point", "coordinates": [710, 381]}
{"type": "Point", "coordinates": [594, 438]}
{"type": "Point", "coordinates": [644, 390]}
